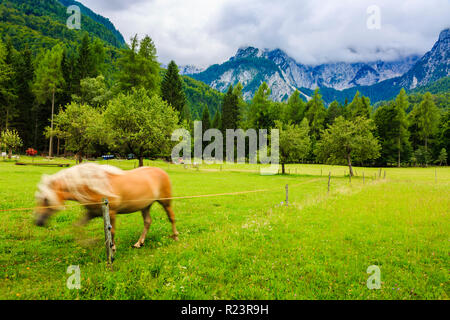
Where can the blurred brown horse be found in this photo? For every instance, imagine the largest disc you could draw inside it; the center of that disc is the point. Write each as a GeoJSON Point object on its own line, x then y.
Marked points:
{"type": "Point", "coordinates": [89, 184]}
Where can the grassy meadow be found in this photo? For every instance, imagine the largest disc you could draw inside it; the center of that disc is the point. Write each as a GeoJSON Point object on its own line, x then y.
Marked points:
{"type": "Point", "coordinates": [247, 246]}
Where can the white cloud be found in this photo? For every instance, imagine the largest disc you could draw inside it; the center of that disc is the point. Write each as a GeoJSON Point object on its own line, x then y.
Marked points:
{"type": "Point", "coordinates": [203, 32]}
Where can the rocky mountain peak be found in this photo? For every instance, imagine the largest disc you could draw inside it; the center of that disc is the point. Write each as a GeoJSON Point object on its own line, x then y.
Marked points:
{"type": "Point", "coordinates": [444, 35]}
{"type": "Point", "coordinates": [248, 52]}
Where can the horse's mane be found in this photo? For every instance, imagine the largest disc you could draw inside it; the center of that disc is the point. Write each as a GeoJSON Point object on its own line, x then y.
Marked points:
{"type": "Point", "coordinates": [78, 180]}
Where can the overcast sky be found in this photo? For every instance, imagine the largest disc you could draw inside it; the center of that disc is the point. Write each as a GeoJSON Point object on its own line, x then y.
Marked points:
{"type": "Point", "coordinates": [204, 32]}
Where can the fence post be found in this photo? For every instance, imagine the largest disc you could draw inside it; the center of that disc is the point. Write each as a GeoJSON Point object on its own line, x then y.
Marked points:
{"type": "Point", "coordinates": [384, 176]}
{"type": "Point", "coordinates": [329, 179]}
{"type": "Point", "coordinates": [108, 227]}
{"type": "Point", "coordinates": [349, 178]}
{"type": "Point", "coordinates": [435, 175]}
{"type": "Point", "coordinates": [287, 195]}
{"type": "Point", "coordinates": [379, 174]}
{"type": "Point", "coordinates": [363, 177]}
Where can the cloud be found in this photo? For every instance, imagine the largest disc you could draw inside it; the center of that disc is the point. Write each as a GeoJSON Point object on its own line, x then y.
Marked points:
{"type": "Point", "coordinates": [203, 32]}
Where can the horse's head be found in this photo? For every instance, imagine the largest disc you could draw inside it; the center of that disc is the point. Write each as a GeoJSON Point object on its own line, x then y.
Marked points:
{"type": "Point", "coordinates": [47, 200]}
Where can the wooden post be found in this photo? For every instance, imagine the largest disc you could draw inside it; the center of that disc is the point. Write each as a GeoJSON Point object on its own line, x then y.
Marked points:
{"type": "Point", "coordinates": [435, 175]}
{"type": "Point", "coordinates": [320, 171]}
{"type": "Point", "coordinates": [287, 195]}
{"type": "Point", "coordinates": [349, 178]}
{"type": "Point", "coordinates": [329, 179]}
{"type": "Point", "coordinates": [379, 174]}
{"type": "Point", "coordinates": [384, 176]}
{"type": "Point", "coordinates": [108, 227]}
{"type": "Point", "coordinates": [363, 177]}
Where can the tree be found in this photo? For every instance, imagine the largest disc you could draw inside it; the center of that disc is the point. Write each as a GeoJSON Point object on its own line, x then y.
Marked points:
{"type": "Point", "coordinates": [348, 139]}
{"type": "Point", "coordinates": [172, 88]}
{"type": "Point", "coordinates": [260, 116]}
{"type": "Point", "coordinates": [388, 132]}
{"type": "Point", "coordinates": [442, 159]}
{"type": "Point", "coordinates": [230, 110]}
{"type": "Point", "coordinates": [401, 123]}
{"type": "Point", "coordinates": [11, 140]}
{"type": "Point", "coordinates": [7, 89]}
{"type": "Point", "coordinates": [81, 127]}
{"type": "Point", "coordinates": [206, 119]}
{"type": "Point", "coordinates": [141, 123]}
{"type": "Point", "coordinates": [242, 105]}
{"type": "Point", "coordinates": [216, 121]}
{"type": "Point", "coordinates": [206, 123]}
{"type": "Point", "coordinates": [295, 108]}
{"type": "Point", "coordinates": [85, 62]}
{"type": "Point", "coordinates": [359, 107]}
{"type": "Point", "coordinates": [25, 98]}
{"type": "Point", "coordinates": [426, 115]}
{"type": "Point", "coordinates": [443, 135]}
{"type": "Point", "coordinates": [49, 81]}
{"type": "Point", "coordinates": [392, 130]}
{"type": "Point", "coordinates": [138, 66]}
{"type": "Point", "coordinates": [316, 115]}
{"type": "Point", "coordinates": [93, 92]}
{"type": "Point", "coordinates": [295, 142]}
{"type": "Point", "coordinates": [334, 110]}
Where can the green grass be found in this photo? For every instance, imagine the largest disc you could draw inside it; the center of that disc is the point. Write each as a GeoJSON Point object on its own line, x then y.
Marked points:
{"type": "Point", "coordinates": [241, 247]}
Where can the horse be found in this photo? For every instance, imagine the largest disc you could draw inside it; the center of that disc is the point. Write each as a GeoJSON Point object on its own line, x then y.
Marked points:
{"type": "Point", "coordinates": [90, 183]}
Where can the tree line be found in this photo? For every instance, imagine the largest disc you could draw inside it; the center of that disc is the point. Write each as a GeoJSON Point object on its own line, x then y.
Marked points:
{"type": "Point", "coordinates": [408, 130]}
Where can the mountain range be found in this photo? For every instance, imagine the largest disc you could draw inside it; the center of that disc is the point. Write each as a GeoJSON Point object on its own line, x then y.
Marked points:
{"type": "Point", "coordinates": [42, 23]}
{"type": "Point", "coordinates": [340, 80]}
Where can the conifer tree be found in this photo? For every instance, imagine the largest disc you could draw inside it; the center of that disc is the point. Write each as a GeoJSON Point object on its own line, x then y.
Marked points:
{"type": "Point", "coordinates": [426, 115]}
{"type": "Point", "coordinates": [401, 122]}
{"type": "Point", "coordinates": [230, 110]}
{"type": "Point", "coordinates": [49, 80]}
{"type": "Point", "coordinates": [216, 122]}
{"type": "Point", "coordinates": [315, 114]}
{"type": "Point", "coordinates": [295, 108]}
{"type": "Point", "coordinates": [172, 88]}
{"type": "Point", "coordinates": [138, 66]}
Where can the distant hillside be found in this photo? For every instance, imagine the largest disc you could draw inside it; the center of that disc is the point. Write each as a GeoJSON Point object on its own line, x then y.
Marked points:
{"type": "Point", "coordinates": [97, 18]}
{"type": "Point", "coordinates": [42, 24]}
{"type": "Point", "coordinates": [439, 86]}
{"type": "Point", "coordinates": [199, 94]}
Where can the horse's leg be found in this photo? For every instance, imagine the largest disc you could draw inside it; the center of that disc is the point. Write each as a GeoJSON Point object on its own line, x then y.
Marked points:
{"type": "Point", "coordinates": [112, 218]}
{"type": "Point", "coordinates": [85, 219]}
{"type": "Point", "coordinates": [147, 222]}
{"type": "Point", "coordinates": [168, 207]}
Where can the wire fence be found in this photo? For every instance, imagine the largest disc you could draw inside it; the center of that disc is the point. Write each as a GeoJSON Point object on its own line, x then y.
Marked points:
{"type": "Point", "coordinates": [236, 193]}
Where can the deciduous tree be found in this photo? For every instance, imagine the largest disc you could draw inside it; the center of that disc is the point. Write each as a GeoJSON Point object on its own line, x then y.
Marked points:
{"type": "Point", "coordinates": [348, 139]}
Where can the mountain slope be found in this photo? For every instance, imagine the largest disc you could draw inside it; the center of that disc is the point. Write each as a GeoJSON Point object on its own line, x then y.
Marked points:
{"type": "Point", "coordinates": [42, 24]}
{"type": "Point", "coordinates": [120, 41]}
{"type": "Point", "coordinates": [435, 64]}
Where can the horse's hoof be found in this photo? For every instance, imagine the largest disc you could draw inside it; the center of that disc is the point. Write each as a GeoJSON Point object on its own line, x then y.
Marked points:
{"type": "Point", "coordinates": [138, 245]}
{"type": "Point", "coordinates": [175, 237]}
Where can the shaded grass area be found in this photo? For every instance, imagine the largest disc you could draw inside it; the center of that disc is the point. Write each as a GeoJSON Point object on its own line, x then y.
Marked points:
{"type": "Point", "coordinates": [241, 247]}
